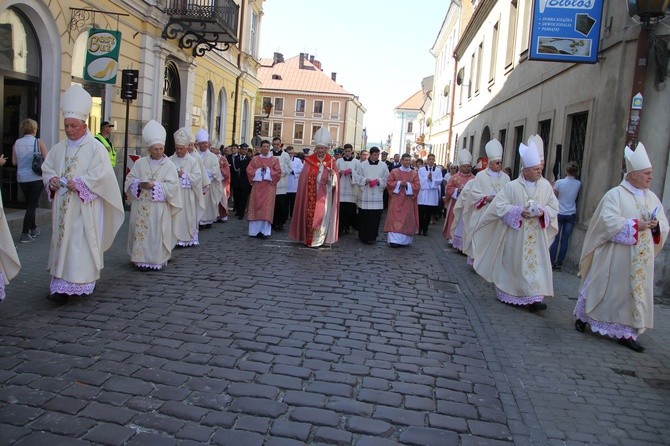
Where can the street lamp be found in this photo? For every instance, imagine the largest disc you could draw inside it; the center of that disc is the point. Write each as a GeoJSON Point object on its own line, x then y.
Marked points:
{"type": "Point", "coordinates": [267, 108]}
{"type": "Point", "coordinates": [649, 11]}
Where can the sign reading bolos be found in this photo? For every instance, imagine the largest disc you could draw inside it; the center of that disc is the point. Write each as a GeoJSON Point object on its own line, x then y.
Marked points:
{"type": "Point", "coordinates": [566, 30]}
{"type": "Point", "coordinates": [102, 55]}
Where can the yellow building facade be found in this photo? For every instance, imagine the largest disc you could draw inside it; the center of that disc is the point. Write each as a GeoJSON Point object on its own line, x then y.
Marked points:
{"type": "Point", "coordinates": [43, 47]}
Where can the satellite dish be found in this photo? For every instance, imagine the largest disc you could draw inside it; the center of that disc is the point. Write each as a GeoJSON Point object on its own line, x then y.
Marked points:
{"type": "Point", "coordinates": [459, 76]}
{"type": "Point", "coordinates": [446, 90]}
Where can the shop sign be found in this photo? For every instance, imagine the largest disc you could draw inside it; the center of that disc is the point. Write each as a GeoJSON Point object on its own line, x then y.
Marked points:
{"type": "Point", "coordinates": [566, 30]}
{"type": "Point", "coordinates": [102, 55]}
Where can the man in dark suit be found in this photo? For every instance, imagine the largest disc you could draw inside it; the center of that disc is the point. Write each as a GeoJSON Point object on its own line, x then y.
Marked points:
{"type": "Point", "coordinates": [238, 172]}
{"type": "Point", "coordinates": [234, 176]}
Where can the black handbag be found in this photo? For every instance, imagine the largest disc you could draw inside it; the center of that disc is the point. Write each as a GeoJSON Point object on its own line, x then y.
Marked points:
{"type": "Point", "coordinates": [37, 160]}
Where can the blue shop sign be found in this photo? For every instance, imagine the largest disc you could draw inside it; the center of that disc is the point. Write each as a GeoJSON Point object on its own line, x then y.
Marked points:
{"type": "Point", "coordinates": [566, 30]}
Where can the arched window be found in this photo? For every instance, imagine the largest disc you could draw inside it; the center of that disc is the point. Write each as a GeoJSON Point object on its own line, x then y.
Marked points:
{"type": "Point", "coordinates": [221, 112]}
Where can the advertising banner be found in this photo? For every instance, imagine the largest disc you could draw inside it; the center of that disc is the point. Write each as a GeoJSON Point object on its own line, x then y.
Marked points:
{"type": "Point", "coordinates": [102, 55]}
{"type": "Point", "coordinates": [566, 30]}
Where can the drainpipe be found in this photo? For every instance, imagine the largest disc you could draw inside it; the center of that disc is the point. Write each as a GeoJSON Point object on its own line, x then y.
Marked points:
{"type": "Point", "coordinates": [239, 67]}
{"type": "Point", "coordinates": [452, 148]}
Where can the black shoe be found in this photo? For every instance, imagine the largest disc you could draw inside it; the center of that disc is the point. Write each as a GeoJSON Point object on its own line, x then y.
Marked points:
{"type": "Point", "coordinates": [631, 344]}
{"type": "Point", "coordinates": [240, 217]}
{"type": "Point", "coordinates": [143, 269]}
{"type": "Point", "coordinates": [537, 306]}
{"type": "Point", "coordinates": [261, 236]}
{"type": "Point", "coordinates": [394, 245]}
{"type": "Point", "coordinates": [580, 326]}
{"type": "Point", "coordinates": [556, 267]}
{"type": "Point", "coordinates": [58, 298]}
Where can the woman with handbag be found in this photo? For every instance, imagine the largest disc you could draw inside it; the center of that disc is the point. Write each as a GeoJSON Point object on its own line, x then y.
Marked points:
{"type": "Point", "coordinates": [27, 155]}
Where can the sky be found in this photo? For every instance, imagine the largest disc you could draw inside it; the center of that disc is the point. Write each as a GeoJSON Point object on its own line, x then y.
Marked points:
{"type": "Point", "coordinates": [380, 49]}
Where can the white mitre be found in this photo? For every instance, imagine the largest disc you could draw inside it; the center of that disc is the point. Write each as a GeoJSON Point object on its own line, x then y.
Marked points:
{"type": "Point", "coordinates": [494, 150]}
{"type": "Point", "coordinates": [202, 136]}
{"type": "Point", "coordinates": [638, 159]}
{"type": "Point", "coordinates": [322, 137]}
{"type": "Point", "coordinates": [464, 157]}
{"type": "Point", "coordinates": [539, 144]}
{"type": "Point", "coordinates": [182, 137]}
{"type": "Point", "coordinates": [529, 155]}
{"type": "Point", "coordinates": [76, 103]}
{"type": "Point", "coordinates": [154, 133]}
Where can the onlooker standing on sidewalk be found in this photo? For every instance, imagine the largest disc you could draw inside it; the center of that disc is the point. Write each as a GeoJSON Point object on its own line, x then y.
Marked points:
{"type": "Point", "coordinates": [566, 190]}
{"type": "Point", "coordinates": [626, 232]}
{"type": "Point", "coordinates": [30, 183]}
{"type": "Point", "coordinates": [105, 138]}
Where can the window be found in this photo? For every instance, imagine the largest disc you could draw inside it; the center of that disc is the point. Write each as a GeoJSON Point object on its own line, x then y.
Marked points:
{"type": "Point", "coordinates": [410, 127]}
{"type": "Point", "coordinates": [494, 54]}
{"type": "Point", "coordinates": [511, 33]}
{"type": "Point", "coordinates": [577, 123]}
{"type": "Point", "coordinates": [265, 129]}
{"type": "Point", "coordinates": [335, 110]}
{"type": "Point", "coordinates": [315, 128]}
{"type": "Point", "coordinates": [471, 78]}
{"type": "Point", "coordinates": [502, 137]}
{"type": "Point", "coordinates": [318, 107]}
{"type": "Point", "coordinates": [298, 131]}
{"type": "Point", "coordinates": [525, 26]}
{"type": "Point", "coordinates": [544, 130]}
{"type": "Point", "coordinates": [300, 106]}
{"type": "Point", "coordinates": [253, 35]}
{"type": "Point", "coordinates": [478, 79]}
{"type": "Point", "coordinates": [334, 133]}
{"type": "Point", "coordinates": [276, 129]}
{"type": "Point", "coordinates": [279, 105]}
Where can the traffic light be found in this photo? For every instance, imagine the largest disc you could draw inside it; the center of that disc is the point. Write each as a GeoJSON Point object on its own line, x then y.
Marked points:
{"type": "Point", "coordinates": [129, 84]}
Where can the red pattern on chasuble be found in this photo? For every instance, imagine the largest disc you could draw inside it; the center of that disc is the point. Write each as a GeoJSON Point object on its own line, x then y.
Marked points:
{"type": "Point", "coordinates": [313, 164]}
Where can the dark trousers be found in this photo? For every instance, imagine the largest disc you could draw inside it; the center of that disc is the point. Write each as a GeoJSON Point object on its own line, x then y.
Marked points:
{"type": "Point", "coordinates": [233, 189]}
{"type": "Point", "coordinates": [425, 213]}
{"type": "Point", "coordinates": [241, 198]}
{"type": "Point", "coordinates": [281, 210]}
{"type": "Point", "coordinates": [32, 191]}
{"type": "Point", "coordinates": [290, 196]}
{"type": "Point", "coordinates": [368, 224]}
{"type": "Point", "coordinates": [347, 216]}
{"type": "Point", "coordinates": [560, 244]}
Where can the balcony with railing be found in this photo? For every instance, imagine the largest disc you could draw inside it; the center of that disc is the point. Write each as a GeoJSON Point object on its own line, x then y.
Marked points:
{"type": "Point", "coordinates": [202, 24]}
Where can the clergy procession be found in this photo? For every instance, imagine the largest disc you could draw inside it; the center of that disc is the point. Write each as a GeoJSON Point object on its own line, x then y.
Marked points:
{"type": "Point", "coordinates": [504, 227]}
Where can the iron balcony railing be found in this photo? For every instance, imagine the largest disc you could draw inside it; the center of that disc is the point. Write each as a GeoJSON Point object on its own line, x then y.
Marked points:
{"type": "Point", "coordinates": [202, 24]}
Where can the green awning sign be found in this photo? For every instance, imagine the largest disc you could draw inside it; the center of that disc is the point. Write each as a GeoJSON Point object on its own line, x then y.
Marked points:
{"type": "Point", "coordinates": [102, 55]}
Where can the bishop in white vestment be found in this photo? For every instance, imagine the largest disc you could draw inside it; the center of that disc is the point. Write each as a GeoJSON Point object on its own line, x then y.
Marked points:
{"type": "Point", "coordinates": [514, 235]}
{"type": "Point", "coordinates": [86, 210]}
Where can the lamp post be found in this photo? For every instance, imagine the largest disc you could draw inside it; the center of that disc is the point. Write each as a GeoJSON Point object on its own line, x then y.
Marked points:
{"type": "Point", "coordinates": [649, 11]}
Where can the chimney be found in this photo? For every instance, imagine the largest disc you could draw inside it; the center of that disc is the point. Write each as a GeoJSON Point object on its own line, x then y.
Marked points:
{"type": "Point", "coordinates": [316, 63]}
{"type": "Point", "coordinates": [333, 76]}
{"type": "Point", "coordinates": [311, 59]}
{"type": "Point", "coordinates": [277, 58]}
{"type": "Point", "coordinates": [302, 60]}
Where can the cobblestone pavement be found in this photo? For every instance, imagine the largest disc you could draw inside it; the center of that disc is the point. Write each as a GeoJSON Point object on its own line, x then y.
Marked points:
{"type": "Point", "coordinates": [248, 342]}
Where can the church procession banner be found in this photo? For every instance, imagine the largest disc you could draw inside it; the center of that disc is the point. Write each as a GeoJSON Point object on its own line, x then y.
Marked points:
{"type": "Point", "coordinates": [102, 55]}
{"type": "Point", "coordinates": [566, 30]}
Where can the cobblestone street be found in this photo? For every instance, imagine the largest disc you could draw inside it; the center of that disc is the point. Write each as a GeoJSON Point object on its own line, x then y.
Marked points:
{"type": "Point", "coordinates": [243, 341]}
